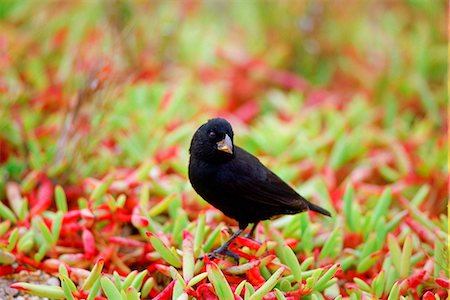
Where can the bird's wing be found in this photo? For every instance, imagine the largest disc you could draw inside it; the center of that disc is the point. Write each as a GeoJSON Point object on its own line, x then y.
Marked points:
{"type": "Point", "coordinates": [246, 178]}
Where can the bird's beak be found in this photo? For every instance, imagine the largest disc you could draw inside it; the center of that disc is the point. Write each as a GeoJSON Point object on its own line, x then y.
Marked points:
{"type": "Point", "coordinates": [225, 145]}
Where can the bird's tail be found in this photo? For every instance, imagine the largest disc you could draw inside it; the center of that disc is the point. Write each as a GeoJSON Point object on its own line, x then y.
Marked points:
{"type": "Point", "coordinates": [318, 209]}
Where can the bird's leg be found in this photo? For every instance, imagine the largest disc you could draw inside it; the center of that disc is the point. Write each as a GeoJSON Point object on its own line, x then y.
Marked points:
{"type": "Point", "coordinates": [224, 248]}
{"type": "Point", "coordinates": [252, 231]}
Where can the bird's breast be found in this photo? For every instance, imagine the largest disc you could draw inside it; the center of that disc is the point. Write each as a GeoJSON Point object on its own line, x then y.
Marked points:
{"type": "Point", "coordinates": [202, 176]}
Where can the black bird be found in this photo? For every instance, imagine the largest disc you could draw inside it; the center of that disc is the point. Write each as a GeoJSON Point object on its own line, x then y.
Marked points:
{"type": "Point", "coordinates": [237, 183]}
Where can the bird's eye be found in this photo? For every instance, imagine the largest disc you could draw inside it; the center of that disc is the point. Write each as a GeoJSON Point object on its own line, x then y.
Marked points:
{"type": "Point", "coordinates": [212, 135]}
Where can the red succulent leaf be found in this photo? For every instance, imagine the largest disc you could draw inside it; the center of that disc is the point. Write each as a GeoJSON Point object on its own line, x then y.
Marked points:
{"type": "Point", "coordinates": [445, 283]}
{"type": "Point", "coordinates": [420, 230]}
{"type": "Point", "coordinates": [87, 215]}
{"type": "Point", "coordinates": [247, 111]}
{"type": "Point", "coordinates": [288, 80]}
{"type": "Point", "coordinates": [414, 280]}
{"type": "Point", "coordinates": [71, 216]}
{"type": "Point", "coordinates": [166, 294]}
{"type": "Point", "coordinates": [6, 270]}
{"type": "Point", "coordinates": [43, 199]}
{"type": "Point", "coordinates": [352, 240]}
{"type": "Point", "coordinates": [254, 277]}
{"type": "Point", "coordinates": [88, 243]}
{"type": "Point", "coordinates": [166, 154]}
{"type": "Point", "coordinates": [428, 296]}
{"type": "Point", "coordinates": [206, 292]}
{"type": "Point", "coordinates": [51, 99]}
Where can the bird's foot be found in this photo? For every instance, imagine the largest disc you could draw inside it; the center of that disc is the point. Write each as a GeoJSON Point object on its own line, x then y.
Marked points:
{"type": "Point", "coordinates": [252, 237]}
{"type": "Point", "coordinates": [223, 251]}
{"type": "Point", "coordinates": [253, 240]}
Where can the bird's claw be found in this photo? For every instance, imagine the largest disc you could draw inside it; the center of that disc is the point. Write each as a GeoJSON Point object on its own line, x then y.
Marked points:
{"type": "Point", "coordinates": [220, 252]}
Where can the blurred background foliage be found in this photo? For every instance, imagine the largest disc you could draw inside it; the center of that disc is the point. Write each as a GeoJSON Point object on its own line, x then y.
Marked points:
{"type": "Point", "coordinates": [345, 100]}
{"type": "Point", "coordinates": [90, 85]}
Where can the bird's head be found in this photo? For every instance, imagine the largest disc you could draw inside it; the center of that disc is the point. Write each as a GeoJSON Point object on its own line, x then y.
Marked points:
{"type": "Point", "coordinates": [213, 141]}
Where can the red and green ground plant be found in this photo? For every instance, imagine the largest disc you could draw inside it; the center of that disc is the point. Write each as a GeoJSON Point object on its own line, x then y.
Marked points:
{"type": "Point", "coordinates": [99, 100]}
